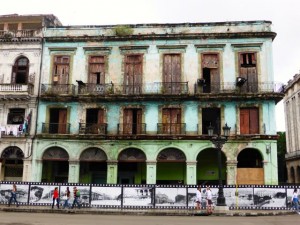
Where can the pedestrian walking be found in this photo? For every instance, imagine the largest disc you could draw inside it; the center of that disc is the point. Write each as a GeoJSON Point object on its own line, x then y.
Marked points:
{"type": "Point", "coordinates": [66, 197]}
{"type": "Point", "coordinates": [55, 198]}
{"type": "Point", "coordinates": [209, 200]}
{"type": "Point", "coordinates": [13, 195]}
{"type": "Point", "coordinates": [76, 200]}
{"type": "Point", "coordinates": [198, 198]}
{"type": "Point", "coordinates": [295, 201]}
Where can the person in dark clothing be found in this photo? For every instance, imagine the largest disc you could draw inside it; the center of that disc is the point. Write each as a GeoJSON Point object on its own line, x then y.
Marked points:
{"type": "Point", "coordinates": [76, 197]}
{"type": "Point", "coordinates": [13, 195]}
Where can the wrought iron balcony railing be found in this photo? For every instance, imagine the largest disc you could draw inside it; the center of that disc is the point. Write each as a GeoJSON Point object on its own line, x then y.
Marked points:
{"type": "Point", "coordinates": [93, 128]}
{"type": "Point", "coordinates": [233, 87]}
{"type": "Point", "coordinates": [56, 128]}
{"type": "Point", "coordinates": [20, 34]}
{"type": "Point", "coordinates": [57, 89]}
{"type": "Point", "coordinates": [96, 89]}
{"type": "Point", "coordinates": [171, 128]}
{"type": "Point", "coordinates": [17, 88]}
{"type": "Point", "coordinates": [131, 128]}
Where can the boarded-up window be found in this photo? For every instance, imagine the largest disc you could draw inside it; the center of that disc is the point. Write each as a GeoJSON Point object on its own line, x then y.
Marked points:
{"type": "Point", "coordinates": [249, 121]}
{"type": "Point", "coordinates": [61, 69]}
{"type": "Point", "coordinates": [133, 74]}
{"type": "Point", "coordinates": [132, 121]}
{"type": "Point", "coordinates": [171, 120]}
{"type": "Point", "coordinates": [248, 71]}
{"type": "Point", "coordinates": [20, 71]}
{"type": "Point", "coordinates": [97, 69]}
{"type": "Point", "coordinates": [210, 71]}
{"type": "Point", "coordinates": [172, 73]}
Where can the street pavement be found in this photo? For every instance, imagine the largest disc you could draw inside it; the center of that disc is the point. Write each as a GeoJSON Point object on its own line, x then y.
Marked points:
{"type": "Point", "coordinates": [18, 218]}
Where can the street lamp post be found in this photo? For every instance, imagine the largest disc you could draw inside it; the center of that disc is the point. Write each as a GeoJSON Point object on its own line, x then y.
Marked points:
{"type": "Point", "coordinates": [219, 141]}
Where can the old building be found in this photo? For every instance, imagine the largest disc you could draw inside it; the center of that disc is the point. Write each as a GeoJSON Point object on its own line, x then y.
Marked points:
{"type": "Point", "coordinates": [20, 62]}
{"type": "Point", "coordinates": [292, 114]}
{"type": "Point", "coordinates": [131, 104]}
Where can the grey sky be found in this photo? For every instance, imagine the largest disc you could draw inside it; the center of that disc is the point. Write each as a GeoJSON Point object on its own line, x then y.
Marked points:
{"type": "Point", "coordinates": [282, 13]}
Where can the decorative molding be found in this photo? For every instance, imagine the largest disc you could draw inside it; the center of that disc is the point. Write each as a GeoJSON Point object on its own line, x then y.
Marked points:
{"type": "Point", "coordinates": [62, 49]}
{"type": "Point", "coordinates": [248, 46]}
{"type": "Point", "coordinates": [100, 50]}
{"type": "Point", "coordinates": [207, 47]}
{"type": "Point", "coordinates": [134, 49]}
{"type": "Point", "coordinates": [12, 152]}
{"type": "Point", "coordinates": [172, 48]}
{"type": "Point", "coordinates": [132, 154]}
{"type": "Point", "coordinates": [171, 154]}
{"type": "Point", "coordinates": [93, 154]}
{"type": "Point", "coordinates": [55, 153]}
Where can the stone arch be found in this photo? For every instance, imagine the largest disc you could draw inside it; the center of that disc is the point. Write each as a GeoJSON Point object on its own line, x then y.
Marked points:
{"type": "Point", "coordinates": [207, 167]}
{"type": "Point", "coordinates": [171, 154]}
{"type": "Point", "coordinates": [93, 154]}
{"type": "Point", "coordinates": [250, 167]}
{"type": "Point", "coordinates": [12, 152]}
{"type": "Point", "coordinates": [55, 154]}
{"type": "Point", "coordinates": [132, 154]}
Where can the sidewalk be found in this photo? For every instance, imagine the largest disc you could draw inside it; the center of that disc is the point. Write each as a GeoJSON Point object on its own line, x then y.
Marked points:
{"type": "Point", "coordinates": [145, 212]}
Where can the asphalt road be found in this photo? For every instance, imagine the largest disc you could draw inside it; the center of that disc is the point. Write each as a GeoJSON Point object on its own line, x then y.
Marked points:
{"type": "Point", "coordinates": [12, 218]}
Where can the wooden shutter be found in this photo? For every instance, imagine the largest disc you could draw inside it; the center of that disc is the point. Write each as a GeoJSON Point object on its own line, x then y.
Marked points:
{"type": "Point", "coordinates": [133, 74]}
{"type": "Point", "coordinates": [61, 69]}
{"type": "Point", "coordinates": [210, 61]}
{"type": "Point", "coordinates": [139, 121]}
{"type": "Point", "coordinates": [167, 68]}
{"type": "Point", "coordinates": [244, 121]}
{"type": "Point", "coordinates": [127, 121]}
{"type": "Point", "coordinates": [172, 73]}
{"type": "Point", "coordinates": [97, 70]}
{"type": "Point", "coordinates": [62, 121]}
{"type": "Point", "coordinates": [14, 74]}
{"type": "Point", "coordinates": [253, 121]}
{"type": "Point", "coordinates": [249, 121]}
{"type": "Point", "coordinates": [100, 116]}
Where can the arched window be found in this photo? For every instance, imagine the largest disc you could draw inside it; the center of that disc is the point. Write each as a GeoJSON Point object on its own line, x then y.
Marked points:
{"type": "Point", "coordinates": [20, 71]}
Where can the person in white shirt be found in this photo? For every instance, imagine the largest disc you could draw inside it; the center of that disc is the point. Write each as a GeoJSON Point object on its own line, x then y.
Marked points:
{"type": "Point", "coordinates": [198, 198]}
{"type": "Point", "coordinates": [209, 200]}
{"type": "Point", "coordinates": [295, 201]}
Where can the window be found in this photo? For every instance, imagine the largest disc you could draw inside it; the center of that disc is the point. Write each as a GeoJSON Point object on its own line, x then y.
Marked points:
{"type": "Point", "coordinates": [249, 121]}
{"type": "Point", "coordinates": [133, 74]}
{"type": "Point", "coordinates": [210, 72]}
{"type": "Point", "coordinates": [61, 69]}
{"type": "Point", "coordinates": [248, 71]}
{"type": "Point", "coordinates": [20, 71]}
{"type": "Point", "coordinates": [96, 70]}
{"type": "Point", "coordinates": [172, 73]}
{"type": "Point", "coordinates": [16, 116]}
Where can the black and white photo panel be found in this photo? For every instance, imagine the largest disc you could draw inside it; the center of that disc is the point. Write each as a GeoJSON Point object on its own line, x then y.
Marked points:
{"type": "Point", "coordinates": [138, 196]}
{"type": "Point", "coordinates": [239, 197]}
{"type": "Point", "coordinates": [21, 194]}
{"type": "Point", "coordinates": [269, 197]}
{"type": "Point", "coordinates": [106, 196]}
{"type": "Point", "coordinates": [41, 194]}
{"type": "Point", "coordinates": [170, 197]}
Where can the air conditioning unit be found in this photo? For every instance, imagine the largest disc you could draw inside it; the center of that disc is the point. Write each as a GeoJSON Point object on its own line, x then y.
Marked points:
{"type": "Point", "coordinates": [240, 81]}
{"type": "Point", "coordinates": [201, 81]}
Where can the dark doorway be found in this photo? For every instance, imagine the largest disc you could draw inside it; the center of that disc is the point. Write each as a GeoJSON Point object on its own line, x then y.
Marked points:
{"type": "Point", "coordinates": [211, 117]}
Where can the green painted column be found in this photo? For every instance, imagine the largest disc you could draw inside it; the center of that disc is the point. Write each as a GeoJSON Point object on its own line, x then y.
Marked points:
{"type": "Point", "coordinates": [38, 169]}
{"type": "Point", "coordinates": [191, 175]}
{"type": "Point", "coordinates": [231, 168]}
{"type": "Point", "coordinates": [74, 168]}
{"type": "Point", "coordinates": [112, 172]}
{"type": "Point", "coordinates": [151, 172]}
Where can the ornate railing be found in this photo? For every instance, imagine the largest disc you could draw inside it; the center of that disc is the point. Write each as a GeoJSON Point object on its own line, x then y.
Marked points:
{"type": "Point", "coordinates": [131, 128]}
{"type": "Point", "coordinates": [20, 33]}
{"type": "Point", "coordinates": [171, 128]}
{"type": "Point", "coordinates": [93, 128]}
{"type": "Point", "coordinates": [233, 87]}
{"type": "Point", "coordinates": [57, 89]}
{"type": "Point", "coordinates": [56, 128]}
{"type": "Point", "coordinates": [16, 88]}
{"type": "Point", "coordinates": [96, 89]}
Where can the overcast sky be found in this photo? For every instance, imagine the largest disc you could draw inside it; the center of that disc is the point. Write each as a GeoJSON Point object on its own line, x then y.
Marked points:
{"type": "Point", "coordinates": [284, 15]}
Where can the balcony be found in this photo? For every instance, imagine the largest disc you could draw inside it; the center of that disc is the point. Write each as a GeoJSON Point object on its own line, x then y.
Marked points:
{"type": "Point", "coordinates": [93, 128]}
{"type": "Point", "coordinates": [171, 128]}
{"type": "Point", "coordinates": [96, 89]}
{"type": "Point", "coordinates": [20, 34]}
{"type": "Point", "coordinates": [236, 88]}
{"type": "Point", "coordinates": [57, 89]}
{"type": "Point", "coordinates": [56, 128]}
{"type": "Point", "coordinates": [16, 88]}
{"type": "Point", "coordinates": [131, 128]}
